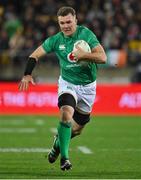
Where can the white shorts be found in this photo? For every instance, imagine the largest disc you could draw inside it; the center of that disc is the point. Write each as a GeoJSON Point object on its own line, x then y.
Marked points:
{"type": "Point", "coordinates": [83, 94]}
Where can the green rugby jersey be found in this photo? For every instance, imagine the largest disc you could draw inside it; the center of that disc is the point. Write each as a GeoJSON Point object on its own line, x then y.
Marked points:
{"type": "Point", "coordinates": [77, 73]}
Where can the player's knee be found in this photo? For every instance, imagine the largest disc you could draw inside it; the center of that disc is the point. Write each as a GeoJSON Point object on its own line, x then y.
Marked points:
{"type": "Point", "coordinates": [66, 116]}
{"type": "Point", "coordinates": [66, 103]}
{"type": "Point", "coordinates": [66, 113]}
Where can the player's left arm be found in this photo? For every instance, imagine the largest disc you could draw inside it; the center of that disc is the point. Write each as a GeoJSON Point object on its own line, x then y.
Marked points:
{"type": "Point", "coordinates": [97, 55]}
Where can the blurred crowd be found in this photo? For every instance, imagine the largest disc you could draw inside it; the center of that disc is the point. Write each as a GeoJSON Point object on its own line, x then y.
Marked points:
{"type": "Point", "coordinates": [25, 24]}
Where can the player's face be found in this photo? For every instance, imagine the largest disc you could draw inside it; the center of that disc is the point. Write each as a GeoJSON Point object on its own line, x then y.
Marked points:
{"type": "Point", "coordinates": [67, 24]}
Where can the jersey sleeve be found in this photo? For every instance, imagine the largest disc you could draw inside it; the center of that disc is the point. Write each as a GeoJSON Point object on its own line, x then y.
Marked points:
{"type": "Point", "coordinates": [48, 45]}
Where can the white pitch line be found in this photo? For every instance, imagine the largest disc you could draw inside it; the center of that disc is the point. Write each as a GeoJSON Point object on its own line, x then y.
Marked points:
{"type": "Point", "coordinates": [39, 122]}
{"type": "Point", "coordinates": [24, 150]}
{"type": "Point", "coordinates": [46, 150]}
{"type": "Point", "coordinates": [84, 150]}
{"type": "Point", "coordinates": [17, 130]}
{"type": "Point", "coordinates": [13, 122]}
{"type": "Point", "coordinates": [53, 130]}
{"type": "Point", "coordinates": [122, 150]}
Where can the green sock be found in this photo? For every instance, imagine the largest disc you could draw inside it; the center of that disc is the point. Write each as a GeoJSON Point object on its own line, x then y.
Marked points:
{"type": "Point", "coordinates": [64, 136]}
{"type": "Point", "coordinates": [56, 143]}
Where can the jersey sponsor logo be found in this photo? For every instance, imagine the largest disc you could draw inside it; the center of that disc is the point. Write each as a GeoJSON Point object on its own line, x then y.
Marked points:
{"type": "Point", "coordinates": [73, 65]}
{"type": "Point", "coordinates": [71, 58]}
{"type": "Point", "coordinates": [62, 47]}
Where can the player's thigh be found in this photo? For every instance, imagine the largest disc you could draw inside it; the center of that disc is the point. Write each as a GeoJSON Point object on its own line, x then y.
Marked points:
{"type": "Point", "coordinates": [66, 87]}
{"type": "Point", "coordinates": [86, 97]}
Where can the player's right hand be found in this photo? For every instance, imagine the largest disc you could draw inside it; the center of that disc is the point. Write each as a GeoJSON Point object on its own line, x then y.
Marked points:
{"type": "Point", "coordinates": [24, 84]}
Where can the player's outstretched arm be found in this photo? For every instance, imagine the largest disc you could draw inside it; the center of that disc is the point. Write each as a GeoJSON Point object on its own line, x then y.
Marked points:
{"type": "Point", "coordinates": [31, 63]}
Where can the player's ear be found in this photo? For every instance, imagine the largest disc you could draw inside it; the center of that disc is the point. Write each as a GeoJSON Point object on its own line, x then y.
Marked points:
{"type": "Point", "coordinates": [76, 21]}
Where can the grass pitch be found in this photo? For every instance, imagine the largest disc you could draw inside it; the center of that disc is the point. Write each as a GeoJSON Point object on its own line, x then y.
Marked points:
{"type": "Point", "coordinates": [110, 147]}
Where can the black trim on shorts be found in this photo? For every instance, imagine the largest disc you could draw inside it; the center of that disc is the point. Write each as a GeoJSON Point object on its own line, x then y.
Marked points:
{"type": "Point", "coordinates": [66, 99]}
{"type": "Point", "coordinates": [80, 118]}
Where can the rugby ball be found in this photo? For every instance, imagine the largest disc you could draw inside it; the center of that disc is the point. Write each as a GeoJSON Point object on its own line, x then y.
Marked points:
{"type": "Point", "coordinates": [85, 46]}
{"type": "Point", "coordinates": [82, 44]}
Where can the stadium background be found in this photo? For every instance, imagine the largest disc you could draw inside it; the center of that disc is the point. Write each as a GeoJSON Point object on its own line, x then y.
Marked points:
{"type": "Point", "coordinates": [23, 26]}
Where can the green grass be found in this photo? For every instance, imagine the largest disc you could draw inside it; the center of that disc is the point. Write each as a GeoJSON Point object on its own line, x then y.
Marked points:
{"type": "Point", "coordinates": [114, 141]}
